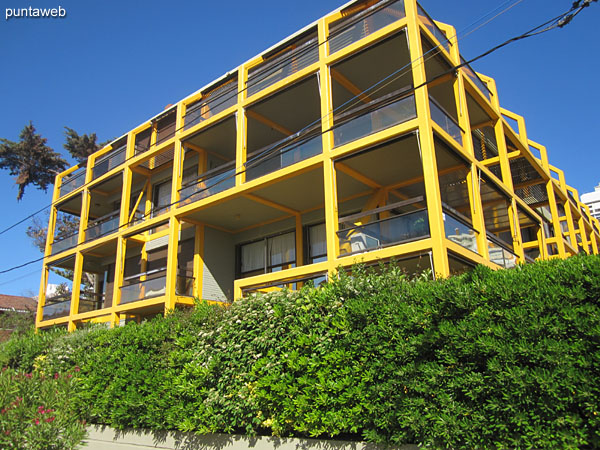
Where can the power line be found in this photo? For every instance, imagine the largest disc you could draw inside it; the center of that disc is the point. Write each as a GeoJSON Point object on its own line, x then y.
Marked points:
{"type": "Point", "coordinates": [549, 25]}
{"type": "Point", "coordinates": [272, 70]}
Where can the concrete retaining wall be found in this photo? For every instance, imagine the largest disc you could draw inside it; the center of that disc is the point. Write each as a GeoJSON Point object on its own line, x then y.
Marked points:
{"type": "Point", "coordinates": [105, 438]}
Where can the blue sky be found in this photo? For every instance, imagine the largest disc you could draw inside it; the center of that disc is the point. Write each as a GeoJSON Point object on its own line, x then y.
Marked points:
{"type": "Point", "coordinates": [110, 65]}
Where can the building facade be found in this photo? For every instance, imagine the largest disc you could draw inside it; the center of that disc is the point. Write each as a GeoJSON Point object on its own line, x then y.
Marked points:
{"type": "Point", "coordinates": [592, 200]}
{"type": "Point", "coordinates": [357, 139]}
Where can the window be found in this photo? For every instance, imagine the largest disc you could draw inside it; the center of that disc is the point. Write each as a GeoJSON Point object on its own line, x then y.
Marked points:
{"type": "Point", "coordinates": [269, 254]}
{"type": "Point", "coordinates": [161, 198]}
{"type": "Point", "coordinates": [316, 244]}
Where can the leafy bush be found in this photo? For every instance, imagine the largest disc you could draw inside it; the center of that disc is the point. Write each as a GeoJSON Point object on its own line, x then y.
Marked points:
{"type": "Point", "coordinates": [36, 412]}
{"type": "Point", "coordinates": [20, 351]}
{"type": "Point", "coordinates": [489, 359]}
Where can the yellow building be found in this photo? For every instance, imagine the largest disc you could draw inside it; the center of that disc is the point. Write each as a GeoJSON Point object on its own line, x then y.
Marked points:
{"type": "Point", "coordinates": [357, 139]}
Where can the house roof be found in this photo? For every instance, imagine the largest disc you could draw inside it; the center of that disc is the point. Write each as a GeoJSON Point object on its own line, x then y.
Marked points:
{"type": "Point", "coordinates": [17, 303]}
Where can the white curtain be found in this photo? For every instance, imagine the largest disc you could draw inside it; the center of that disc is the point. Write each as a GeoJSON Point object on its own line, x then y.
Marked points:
{"type": "Point", "coordinates": [253, 256]}
{"type": "Point", "coordinates": [281, 249]}
{"type": "Point", "coordinates": [317, 240]}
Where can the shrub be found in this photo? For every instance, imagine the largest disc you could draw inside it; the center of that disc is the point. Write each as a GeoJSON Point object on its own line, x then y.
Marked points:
{"type": "Point", "coordinates": [488, 359]}
{"type": "Point", "coordinates": [36, 412]}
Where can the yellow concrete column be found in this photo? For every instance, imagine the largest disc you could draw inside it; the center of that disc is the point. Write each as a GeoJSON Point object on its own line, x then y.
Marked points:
{"type": "Point", "coordinates": [430, 174]}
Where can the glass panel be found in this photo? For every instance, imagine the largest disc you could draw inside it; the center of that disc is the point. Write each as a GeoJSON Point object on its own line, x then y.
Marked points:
{"type": "Point", "coordinates": [72, 181]}
{"type": "Point", "coordinates": [406, 227]}
{"type": "Point", "coordinates": [351, 29]}
{"type": "Point", "coordinates": [89, 301]}
{"type": "Point", "coordinates": [207, 186]}
{"type": "Point", "coordinates": [500, 255]}
{"type": "Point", "coordinates": [469, 72]}
{"type": "Point", "coordinates": [185, 286]}
{"type": "Point", "coordinates": [444, 120]}
{"type": "Point", "coordinates": [277, 68]}
{"type": "Point", "coordinates": [433, 28]}
{"type": "Point", "coordinates": [109, 162]}
{"type": "Point", "coordinates": [64, 243]}
{"type": "Point", "coordinates": [379, 119]}
{"type": "Point", "coordinates": [459, 232]}
{"type": "Point", "coordinates": [212, 103]}
{"type": "Point", "coordinates": [102, 227]}
{"type": "Point", "coordinates": [283, 157]}
{"type": "Point", "coordinates": [154, 287]}
{"type": "Point", "coordinates": [56, 309]}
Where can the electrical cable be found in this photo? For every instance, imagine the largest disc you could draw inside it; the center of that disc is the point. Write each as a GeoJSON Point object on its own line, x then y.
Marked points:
{"type": "Point", "coordinates": [272, 70]}
{"type": "Point", "coordinates": [551, 24]}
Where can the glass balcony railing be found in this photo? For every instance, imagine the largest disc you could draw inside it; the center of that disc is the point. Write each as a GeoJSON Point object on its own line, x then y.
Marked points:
{"type": "Point", "coordinates": [57, 307]}
{"type": "Point", "coordinates": [62, 244]}
{"type": "Point", "coordinates": [433, 28]}
{"type": "Point", "coordinates": [102, 226]}
{"type": "Point", "coordinates": [108, 162]}
{"type": "Point", "coordinates": [283, 65]}
{"type": "Point", "coordinates": [354, 28]}
{"type": "Point", "coordinates": [72, 181]}
{"type": "Point", "coordinates": [457, 230]}
{"type": "Point", "coordinates": [154, 285]}
{"type": "Point", "coordinates": [382, 233]}
{"type": "Point", "coordinates": [444, 120]}
{"type": "Point", "coordinates": [373, 117]}
{"type": "Point", "coordinates": [282, 155]}
{"type": "Point", "coordinates": [212, 103]}
{"type": "Point", "coordinates": [210, 183]}
{"type": "Point", "coordinates": [90, 301]}
{"type": "Point", "coordinates": [499, 254]}
{"type": "Point", "coordinates": [469, 72]}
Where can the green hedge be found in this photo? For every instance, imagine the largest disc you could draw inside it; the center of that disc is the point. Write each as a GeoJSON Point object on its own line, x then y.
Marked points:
{"type": "Point", "coordinates": [505, 359]}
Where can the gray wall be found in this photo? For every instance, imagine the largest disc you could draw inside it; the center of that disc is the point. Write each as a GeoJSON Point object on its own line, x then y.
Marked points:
{"type": "Point", "coordinates": [219, 265]}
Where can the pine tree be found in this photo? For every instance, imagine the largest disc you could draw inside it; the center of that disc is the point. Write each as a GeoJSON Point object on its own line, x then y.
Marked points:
{"type": "Point", "coordinates": [81, 146]}
{"type": "Point", "coordinates": [30, 160]}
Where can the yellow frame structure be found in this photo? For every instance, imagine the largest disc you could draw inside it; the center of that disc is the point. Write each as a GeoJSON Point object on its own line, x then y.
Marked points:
{"type": "Point", "coordinates": [574, 232]}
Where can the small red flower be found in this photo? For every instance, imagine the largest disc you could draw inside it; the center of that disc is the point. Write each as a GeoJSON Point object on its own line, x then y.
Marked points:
{"type": "Point", "coordinates": [41, 409]}
{"type": "Point", "coordinates": [28, 375]}
{"type": "Point", "coordinates": [77, 369]}
{"type": "Point", "coordinates": [56, 376]}
{"type": "Point", "coordinates": [50, 419]}
{"type": "Point", "coordinates": [7, 432]}
{"type": "Point", "coordinates": [69, 376]}
{"type": "Point", "coordinates": [36, 421]}
{"type": "Point", "coordinates": [3, 411]}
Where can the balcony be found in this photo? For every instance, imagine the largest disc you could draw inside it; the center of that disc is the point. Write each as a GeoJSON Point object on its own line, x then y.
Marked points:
{"type": "Point", "coordinates": [108, 162]}
{"type": "Point", "coordinates": [458, 230]}
{"type": "Point", "coordinates": [469, 72]}
{"type": "Point", "coordinates": [375, 116]}
{"type": "Point", "coordinates": [283, 154]}
{"type": "Point", "coordinates": [57, 307]}
{"type": "Point", "coordinates": [433, 28]}
{"type": "Point", "coordinates": [445, 121]}
{"type": "Point", "coordinates": [102, 226]}
{"type": "Point", "coordinates": [351, 29]}
{"type": "Point", "coordinates": [213, 102]}
{"type": "Point", "coordinates": [289, 61]}
{"type": "Point", "coordinates": [64, 243]}
{"type": "Point", "coordinates": [72, 181]}
{"type": "Point", "coordinates": [382, 233]}
{"type": "Point", "coordinates": [153, 284]}
{"type": "Point", "coordinates": [499, 253]}
{"type": "Point", "coordinates": [210, 183]}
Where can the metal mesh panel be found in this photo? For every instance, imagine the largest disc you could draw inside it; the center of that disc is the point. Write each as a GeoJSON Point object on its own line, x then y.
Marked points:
{"type": "Point", "coordinates": [533, 194]}
{"type": "Point", "coordinates": [159, 160]}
